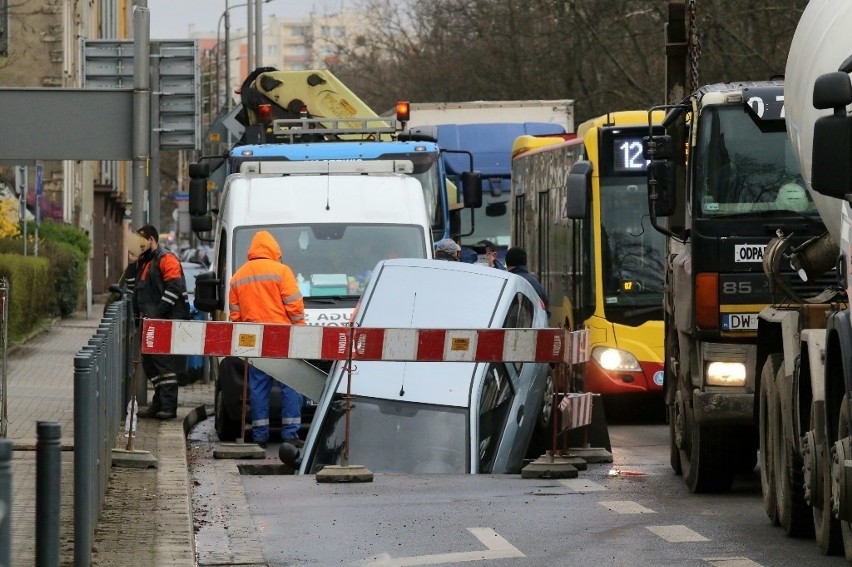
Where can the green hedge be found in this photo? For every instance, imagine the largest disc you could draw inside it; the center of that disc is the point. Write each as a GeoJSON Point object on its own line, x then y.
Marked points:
{"type": "Point", "coordinates": [30, 284]}
{"type": "Point", "coordinates": [49, 285]}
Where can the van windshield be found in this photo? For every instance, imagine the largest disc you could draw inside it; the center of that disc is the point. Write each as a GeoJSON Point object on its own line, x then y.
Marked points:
{"type": "Point", "coordinates": [394, 437]}
{"type": "Point", "coordinates": [333, 259]}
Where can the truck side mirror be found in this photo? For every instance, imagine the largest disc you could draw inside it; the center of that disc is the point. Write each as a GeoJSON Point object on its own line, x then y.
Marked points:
{"type": "Point", "coordinates": [209, 292]}
{"type": "Point", "coordinates": [577, 190]}
{"type": "Point", "coordinates": [831, 173]}
{"type": "Point", "coordinates": [661, 188]}
{"type": "Point", "coordinates": [472, 189]}
{"type": "Point", "coordinates": [657, 147]}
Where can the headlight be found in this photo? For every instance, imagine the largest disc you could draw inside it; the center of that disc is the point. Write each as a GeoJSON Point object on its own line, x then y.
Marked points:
{"type": "Point", "coordinates": [615, 359]}
{"type": "Point", "coordinates": [726, 374]}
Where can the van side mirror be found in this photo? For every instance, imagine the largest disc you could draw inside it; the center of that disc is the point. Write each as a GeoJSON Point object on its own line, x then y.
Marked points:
{"type": "Point", "coordinates": [661, 188]}
{"type": "Point", "coordinates": [209, 293]}
{"type": "Point", "coordinates": [831, 173]}
{"type": "Point", "coordinates": [472, 189]}
{"type": "Point", "coordinates": [198, 174]}
{"type": "Point", "coordinates": [577, 190]}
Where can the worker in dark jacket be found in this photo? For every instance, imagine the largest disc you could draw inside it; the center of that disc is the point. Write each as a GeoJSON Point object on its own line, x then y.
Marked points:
{"type": "Point", "coordinates": [516, 263]}
{"type": "Point", "coordinates": [264, 290]}
{"type": "Point", "coordinates": [160, 293]}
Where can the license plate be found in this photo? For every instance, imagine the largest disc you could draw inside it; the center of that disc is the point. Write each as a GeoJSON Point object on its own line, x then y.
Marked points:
{"type": "Point", "coordinates": [739, 322]}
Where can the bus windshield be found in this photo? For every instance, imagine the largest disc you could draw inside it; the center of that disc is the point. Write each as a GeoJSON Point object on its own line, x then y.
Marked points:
{"type": "Point", "coordinates": [632, 251]}
{"type": "Point", "coordinates": [746, 166]}
{"type": "Point", "coordinates": [333, 259]}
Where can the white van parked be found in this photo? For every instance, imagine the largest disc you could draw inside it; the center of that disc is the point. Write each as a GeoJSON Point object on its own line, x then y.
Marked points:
{"type": "Point", "coordinates": [435, 417]}
{"type": "Point", "coordinates": [334, 220]}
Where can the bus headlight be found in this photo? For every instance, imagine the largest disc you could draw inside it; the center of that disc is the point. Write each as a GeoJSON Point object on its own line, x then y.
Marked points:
{"type": "Point", "coordinates": [615, 359]}
{"type": "Point", "coordinates": [726, 374]}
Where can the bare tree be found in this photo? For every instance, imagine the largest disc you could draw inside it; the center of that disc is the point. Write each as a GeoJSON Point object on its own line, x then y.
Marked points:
{"type": "Point", "coordinates": [605, 54]}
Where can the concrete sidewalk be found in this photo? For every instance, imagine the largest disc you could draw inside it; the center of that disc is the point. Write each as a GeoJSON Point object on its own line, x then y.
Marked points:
{"type": "Point", "coordinates": [146, 520]}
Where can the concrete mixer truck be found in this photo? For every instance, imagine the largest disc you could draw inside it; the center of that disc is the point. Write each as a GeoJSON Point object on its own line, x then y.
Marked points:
{"type": "Point", "coordinates": [805, 344]}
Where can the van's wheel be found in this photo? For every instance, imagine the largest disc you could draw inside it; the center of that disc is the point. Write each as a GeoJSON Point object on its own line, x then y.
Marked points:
{"type": "Point", "coordinates": [767, 426]}
{"type": "Point", "coordinates": [226, 429]}
{"type": "Point", "coordinates": [704, 456]}
{"type": "Point", "coordinates": [793, 513]}
{"type": "Point", "coordinates": [826, 527]}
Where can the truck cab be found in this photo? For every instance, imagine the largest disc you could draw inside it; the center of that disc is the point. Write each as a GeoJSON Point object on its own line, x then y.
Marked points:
{"type": "Point", "coordinates": [726, 178]}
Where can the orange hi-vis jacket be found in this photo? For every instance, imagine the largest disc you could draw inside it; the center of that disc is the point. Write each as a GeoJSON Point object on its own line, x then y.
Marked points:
{"type": "Point", "coordinates": [264, 290]}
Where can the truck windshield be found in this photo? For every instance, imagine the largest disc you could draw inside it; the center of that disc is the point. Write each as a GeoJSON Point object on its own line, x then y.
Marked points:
{"type": "Point", "coordinates": [490, 222]}
{"type": "Point", "coordinates": [335, 259]}
{"type": "Point", "coordinates": [394, 437]}
{"type": "Point", "coordinates": [632, 265]}
{"type": "Point", "coordinates": [744, 166]}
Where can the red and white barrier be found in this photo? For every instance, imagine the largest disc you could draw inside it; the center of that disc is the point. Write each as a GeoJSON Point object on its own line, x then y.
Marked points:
{"type": "Point", "coordinates": [264, 340]}
{"type": "Point", "coordinates": [576, 410]}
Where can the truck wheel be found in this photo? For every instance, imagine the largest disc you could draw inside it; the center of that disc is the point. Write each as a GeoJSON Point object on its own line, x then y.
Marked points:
{"type": "Point", "coordinates": [767, 426]}
{"type": "Point", "coordinates": [226, 429]}
{"type": "Point", "coordinates": [706, 460]}
{"type": "Point", "coordinates": [843, 431]}
{"type": "Point", "coordinates": [674, 452]}
{"type": "Point", "coordinates": [826, 527]}
{"type": "Point", "coordinates": [793, 513]}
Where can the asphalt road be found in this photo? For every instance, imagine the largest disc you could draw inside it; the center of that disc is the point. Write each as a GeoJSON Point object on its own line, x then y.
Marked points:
{"type": "Point", "coordinates": [633, 512]}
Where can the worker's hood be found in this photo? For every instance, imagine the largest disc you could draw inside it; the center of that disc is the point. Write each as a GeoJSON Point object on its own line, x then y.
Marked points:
{"type": "Point", "coordinates": [263, 245]}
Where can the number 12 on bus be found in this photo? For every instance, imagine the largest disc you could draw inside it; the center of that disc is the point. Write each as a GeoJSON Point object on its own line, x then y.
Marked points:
{"type": "Point", "coordinates": [579, 208]}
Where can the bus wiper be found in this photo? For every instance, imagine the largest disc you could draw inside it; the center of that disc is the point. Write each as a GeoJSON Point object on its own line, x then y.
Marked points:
{"type": "Point", "coordinates": [642, 311]}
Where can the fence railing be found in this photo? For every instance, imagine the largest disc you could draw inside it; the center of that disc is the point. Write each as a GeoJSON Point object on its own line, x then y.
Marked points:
{"type": "Point", "coordinates": [4, 344]}
{"type": "Point", "coordinates": [100, 390]}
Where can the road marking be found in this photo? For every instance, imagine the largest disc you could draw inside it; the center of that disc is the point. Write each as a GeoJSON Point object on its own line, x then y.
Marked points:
{"type": "Point", "coordinates": [731, 562]}
{"type": "Point", "coordinates": [677, 534]}
{"type": "Point", "coordinates": [497, 548]}
{"type": "Point", "coordinates": [626, 507]}
{"type": "Point", "coordinates": [582, 485]}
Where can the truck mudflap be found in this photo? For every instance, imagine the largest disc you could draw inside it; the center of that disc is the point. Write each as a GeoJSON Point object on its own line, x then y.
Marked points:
{"type": "Point", "coordinates": [723, 408]}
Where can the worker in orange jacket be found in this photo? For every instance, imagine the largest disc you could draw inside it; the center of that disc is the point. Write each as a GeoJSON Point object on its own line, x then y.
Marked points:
{"type": "Point", "coordinates": [264, 290]}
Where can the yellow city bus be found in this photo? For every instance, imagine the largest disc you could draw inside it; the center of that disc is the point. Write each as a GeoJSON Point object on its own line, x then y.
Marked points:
{"type": "Point", "coordinates": [580, 209]}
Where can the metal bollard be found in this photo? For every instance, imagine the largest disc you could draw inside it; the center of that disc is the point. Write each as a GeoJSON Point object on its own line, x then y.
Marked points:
{"type": "Point", "coordinates": [84, 458]}
{"type": "Point", "coordinates": [48, 490]}
{"type": "Point", "coordinates": [6, 500]}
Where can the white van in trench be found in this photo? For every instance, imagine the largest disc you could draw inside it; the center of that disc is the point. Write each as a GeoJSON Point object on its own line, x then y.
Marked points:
{"type": "Point", "coordinates": [435, 417]}
{"type": "Point", "coordinates": [333, 221]}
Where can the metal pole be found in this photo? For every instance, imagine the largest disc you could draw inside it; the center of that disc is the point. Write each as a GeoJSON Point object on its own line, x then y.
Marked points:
{"type": "Point", "coordinates": [250, 37]}
{"type": "Point", "coordinates": [141, 110]}
{"type": "Point", "coordinates": [154, 173]}
{"type": "Point", "coordinates": [48, 489]}
{"type": "Point", "coordinates": [6, 501]}
{"type": "Point", "coordinates": [227, 57]}
{"type": "Point", "coordinates": [258, 33]}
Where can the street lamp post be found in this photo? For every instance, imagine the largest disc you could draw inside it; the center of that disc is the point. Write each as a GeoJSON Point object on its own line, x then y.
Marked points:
{"type": "Point", "coordinates": [252, 35]}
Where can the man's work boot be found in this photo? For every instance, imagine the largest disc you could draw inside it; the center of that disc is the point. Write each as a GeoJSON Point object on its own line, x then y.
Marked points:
{"type": "Point", "coordinates": [166, 414]}
{"type": "Point", "coordinates": [149, 412]}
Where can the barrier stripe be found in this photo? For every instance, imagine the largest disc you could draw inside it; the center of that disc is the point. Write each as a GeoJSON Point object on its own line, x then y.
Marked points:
{"type": "Point", "coordinates": [222, 338]}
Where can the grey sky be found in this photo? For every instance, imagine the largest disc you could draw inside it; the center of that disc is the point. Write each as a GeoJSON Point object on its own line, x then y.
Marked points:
{"type": "Point", "coordinates": [170, 19]}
